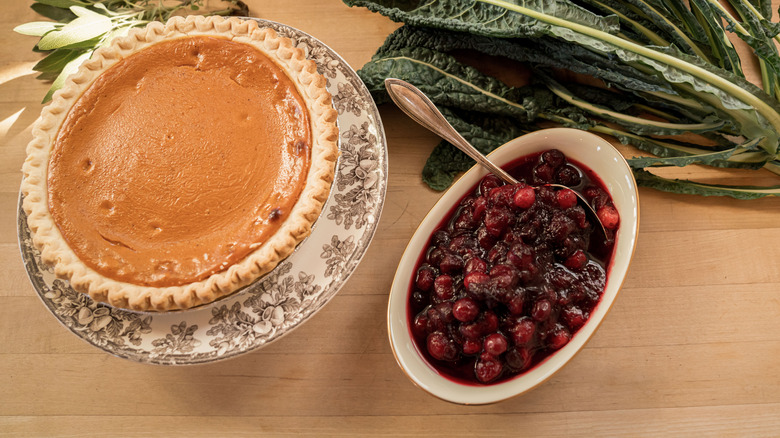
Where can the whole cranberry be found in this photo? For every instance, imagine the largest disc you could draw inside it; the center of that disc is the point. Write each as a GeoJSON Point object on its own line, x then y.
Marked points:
{"type": "Point", "coordinates": [440, 238]}
{"type": "Point", "coordinates": [573, 317]}
{"type": "Point", "coordinates": [471, 331]}
{"type": "Point", "coordinates": [475, 264]}
{"type": "Point", "coordinates": [495, 344]}
{"type": "Point", "coordinates": [441, 347]}
{"type": "Point", "coordinates": [568, 176]}
{"type": "Point", "coordinates": [443, 287]}
{"type": "Point", "coordinates": [488, 368]}
{"type": "Point", "coordinates": [501, 196]}
{"type": "Point", "coordinates": [435, 256]}
{"type": "Point", "coordinates": [577, 260]}
{"type": "Point", "coordinates": [425, 277]}
{"type": "Point", "coordinates": [542, 309]}
{"type": "Point", "coordinates": [465, 309]}
{"type": "Point", "coordinates": [472, 279]}
{"type": "Point", "coordinates": [553, 157]}
{"type": "Point", "coordinates": [590, 192]}
{"type": "Point", "coordinates": [505, 276]}
{"type": "Point", "coordinates": [471, 347]}
{"type": "Point", "coordinates": [488, 183]}
{"type": "Point", "coordinates": [522, 331]}
{"type": "Point", "coordinates": [558, 337]}
{"type": "Point", "coordinates": [608, 216]}
{"type": "Point", "coordinates": [543, 173]}
{"type": "Point", "coordinates": [524, 197]}
{"type": "Point", "coordinates": [566, 198]}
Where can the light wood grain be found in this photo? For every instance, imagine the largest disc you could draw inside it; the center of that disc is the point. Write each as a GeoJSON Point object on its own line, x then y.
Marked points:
{"type": "Point", "coordinates": [689, 349]}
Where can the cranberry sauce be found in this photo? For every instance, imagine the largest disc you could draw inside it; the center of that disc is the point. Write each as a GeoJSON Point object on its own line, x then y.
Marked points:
{"type": "Point", "coordinates": [513, 271]}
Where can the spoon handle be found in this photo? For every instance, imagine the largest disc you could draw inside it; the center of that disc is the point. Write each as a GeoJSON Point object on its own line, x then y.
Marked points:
{"type": "Point", "coordinates": [416, 105]}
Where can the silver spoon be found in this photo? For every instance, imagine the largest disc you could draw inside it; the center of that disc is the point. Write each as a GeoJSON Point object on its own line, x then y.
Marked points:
{"type": "Point", "coordinates": [415, 104]}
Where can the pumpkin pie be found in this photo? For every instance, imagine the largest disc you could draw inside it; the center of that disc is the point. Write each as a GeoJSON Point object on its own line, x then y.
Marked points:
{"type": "Point", "coordinates": [180, 163]}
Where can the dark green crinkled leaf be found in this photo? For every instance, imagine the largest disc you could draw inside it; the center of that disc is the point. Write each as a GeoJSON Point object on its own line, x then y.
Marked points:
{"type": "Point", "coordinates": [482, 19]}
{"type": "Point", "coordinates": [542, 51]}
{"type": "Point", "coordinates": [680, 81]}
{"type": "Point", "coordinates": [450, 83]}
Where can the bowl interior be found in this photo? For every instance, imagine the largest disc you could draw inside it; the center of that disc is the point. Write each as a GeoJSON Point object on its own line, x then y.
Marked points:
{"type": "Point", "coordinates": [586, 148]}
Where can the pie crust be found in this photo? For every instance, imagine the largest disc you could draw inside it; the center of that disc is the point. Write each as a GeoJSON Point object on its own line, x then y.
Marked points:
{"type": "Point", "coordinates": [55, 250]}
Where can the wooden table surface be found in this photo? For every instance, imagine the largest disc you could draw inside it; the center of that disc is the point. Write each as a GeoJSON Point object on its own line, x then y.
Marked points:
{"type": "Point", "coordinates": [691, 346]}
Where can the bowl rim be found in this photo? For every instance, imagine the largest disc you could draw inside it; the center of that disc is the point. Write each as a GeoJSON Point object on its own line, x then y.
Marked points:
{"type": "Point", "coordinates": [404, 350]}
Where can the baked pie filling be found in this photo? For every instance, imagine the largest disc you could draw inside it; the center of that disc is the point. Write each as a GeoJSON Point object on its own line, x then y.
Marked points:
{"type": "Point", "coordinates": [180, 163]}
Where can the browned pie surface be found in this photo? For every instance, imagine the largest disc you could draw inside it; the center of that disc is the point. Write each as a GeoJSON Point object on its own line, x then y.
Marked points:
{"type": "Point", "coordinates": [178, 161]}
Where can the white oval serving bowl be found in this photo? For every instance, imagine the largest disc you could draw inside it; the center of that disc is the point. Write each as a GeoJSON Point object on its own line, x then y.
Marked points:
{"type": "Point", "coordinates": [586, 148]}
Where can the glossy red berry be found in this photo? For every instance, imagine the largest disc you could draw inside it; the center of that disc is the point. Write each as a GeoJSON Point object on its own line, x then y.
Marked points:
{"type": "Point", "coordinates": [577, 260]}
{"type": "Point", "coordinates": [441, 347]}
{"type": "Point", "coordinates": [443, 287]}
{"type": "Point", "coordinates": [522, 332]}
{"type": "Point", "coordinates": [608, 216]}
{"type": "Point", "coordinates": [559, 337]}
{"type": "Point", "coordinates": [465, 309]}
{"type": "Point", "coordinates": [488, 368]}
{"type": "Point", "coordinates": [495, 344]}
{"type": "Point", "coordinates": [566, 198]}
{"type": "Point", "coordinates": [524, 197]}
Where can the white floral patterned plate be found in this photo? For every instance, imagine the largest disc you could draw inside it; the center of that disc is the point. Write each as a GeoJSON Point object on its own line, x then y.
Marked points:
{"type": "Point", "coordinates": [277, 303]}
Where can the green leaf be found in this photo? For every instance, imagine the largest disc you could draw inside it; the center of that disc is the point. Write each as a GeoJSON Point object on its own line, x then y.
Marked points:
{"type": "Point", "coordinates": [483, 19]}
{"type": "Point", "coordinates": [61, 3]}
{"type": "Point", "coordinates": [684, 158]}
{"type": "Point", "coordinates": [539, 52]}
{"type": "Point", "coordinates": [84, 12]}
{"type": "Point", "coordinates": [69, 69]}
{"type": "Point", "coordinates": [450, 83]}
{"type": "Point", "coordinates": [81, 29]}
{"type": "Point", "coordinates": [57, 60]}
{"type": "Point", "coordinates": [53, 13]}
{"type": "Point", "coordinates": [35, 28]}
{"type": "Point", "coordinates": [635, 124]}
{"type": "Point", "coordinates": [647, 179]}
